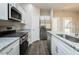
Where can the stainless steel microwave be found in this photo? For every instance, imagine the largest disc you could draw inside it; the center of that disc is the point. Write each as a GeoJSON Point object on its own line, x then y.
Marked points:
{"type": "Point", "coordinates": [14, 13]}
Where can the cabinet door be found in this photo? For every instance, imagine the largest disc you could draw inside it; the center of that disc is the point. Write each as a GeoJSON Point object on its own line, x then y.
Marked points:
{"type": "Point", "coordinates": [3, 11]}
{"type": "Point", "coordinates": [61, 48]}
{"type": "Point", "coordinates": [14, 50]}
{"type": "Point", "coordinates": [64, 49]}
{"type": "Point", "coordinates": [53, 45]}
{"type": "Point", "coordinates": [49, 41]}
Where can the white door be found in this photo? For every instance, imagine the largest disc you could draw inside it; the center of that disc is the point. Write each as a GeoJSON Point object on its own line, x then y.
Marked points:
{"type": "Point", "coordinates": [15, 49]}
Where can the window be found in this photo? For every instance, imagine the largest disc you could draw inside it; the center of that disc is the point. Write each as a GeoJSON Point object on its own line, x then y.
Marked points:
{"type": "Point", "coordinates": [68, 24]}
{"type": "Point", "coordinates": [45, 21]}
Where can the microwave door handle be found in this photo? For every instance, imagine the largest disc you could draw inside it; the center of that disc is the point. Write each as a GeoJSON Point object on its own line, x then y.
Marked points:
{"type": "Point", "coordinates": [9, 10]}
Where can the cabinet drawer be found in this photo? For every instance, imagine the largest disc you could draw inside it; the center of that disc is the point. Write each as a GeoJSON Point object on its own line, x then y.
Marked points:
{"type": "Point", "coordinates": [8, 49]}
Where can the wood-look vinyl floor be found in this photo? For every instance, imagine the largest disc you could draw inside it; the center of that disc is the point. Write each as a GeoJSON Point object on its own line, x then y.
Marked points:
{"type": "Point", "coordinates": [38, 48]}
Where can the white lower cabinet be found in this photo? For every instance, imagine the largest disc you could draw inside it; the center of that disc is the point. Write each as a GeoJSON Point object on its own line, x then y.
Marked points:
{"type": "Point", "coordinates": [13, 49]}
{"type": "Point", "coordinates": [64, 49]}
{"type": "Point", "coordinates": [53, 46]}
{"type": "Point", "coordinates": [58, 46]}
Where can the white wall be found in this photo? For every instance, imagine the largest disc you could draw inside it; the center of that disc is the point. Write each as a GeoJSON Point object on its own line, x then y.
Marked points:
{"type": "Point", "coordinates": [51, 12]}
{"type": "Point", "coordinates": [72, 15]}
{"type": "Point", "coordinates": [32, 21]}
{"type": "Point", "coordinates": [35, 24]}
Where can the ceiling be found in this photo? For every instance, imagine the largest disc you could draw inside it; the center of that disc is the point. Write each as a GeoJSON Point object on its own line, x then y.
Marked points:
{"type": "Point", "coordinates": [48, 5]}
{"type": "Point", "coordinates": [62, 6]}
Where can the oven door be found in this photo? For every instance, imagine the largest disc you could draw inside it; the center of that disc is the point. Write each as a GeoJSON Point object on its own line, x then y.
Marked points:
{"type": "Point", "coordinates": [23, 46]}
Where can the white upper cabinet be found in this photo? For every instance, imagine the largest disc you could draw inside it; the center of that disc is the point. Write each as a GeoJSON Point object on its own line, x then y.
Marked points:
{"type": "Point", "coordinates": [12, 11]}
{"type": "Point", "coordinates": [6, 12]}
{"type": "Point", "coordinates": [3, 11]}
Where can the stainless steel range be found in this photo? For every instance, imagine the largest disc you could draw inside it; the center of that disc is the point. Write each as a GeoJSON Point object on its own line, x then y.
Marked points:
{"type": "Point", "coordinates": [23, 38]}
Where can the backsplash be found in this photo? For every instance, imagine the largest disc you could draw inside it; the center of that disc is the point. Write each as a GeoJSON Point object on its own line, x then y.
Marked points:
{"type": "Point", "coordinates": [3, 28]}
{"type": "Point", "coordinates": [14, 25]}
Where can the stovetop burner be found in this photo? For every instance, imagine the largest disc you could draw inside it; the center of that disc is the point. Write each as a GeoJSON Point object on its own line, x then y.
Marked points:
{"type": "Point", "coordinates": [17, 34]}
{"type": "Point", "coordinates": [12, 34]}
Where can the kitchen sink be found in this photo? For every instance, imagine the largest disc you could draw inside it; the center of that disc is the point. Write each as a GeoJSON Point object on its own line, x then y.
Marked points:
{"type": "Point", "coordinates": [70, 38]}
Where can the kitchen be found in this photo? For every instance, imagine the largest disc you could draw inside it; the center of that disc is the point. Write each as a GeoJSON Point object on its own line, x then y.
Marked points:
{"type": "Point", "coordinates": [20, 27]}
